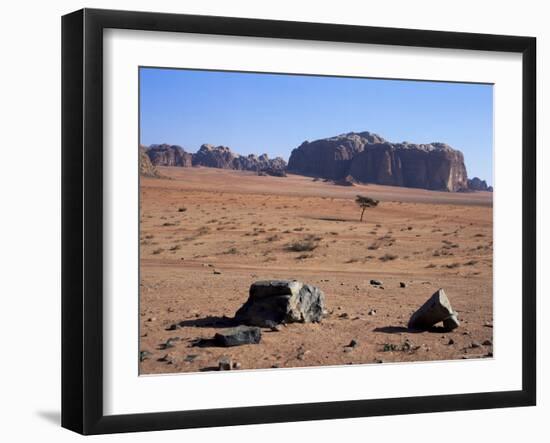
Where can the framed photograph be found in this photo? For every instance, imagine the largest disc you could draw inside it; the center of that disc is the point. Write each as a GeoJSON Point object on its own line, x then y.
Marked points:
{"type": "Point", "coordinates": [269, 221]}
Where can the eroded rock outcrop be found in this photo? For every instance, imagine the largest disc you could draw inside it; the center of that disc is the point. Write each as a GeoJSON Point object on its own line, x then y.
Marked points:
{"type": "Point", "coordinates": [169, 155]}
{"type": "Point", "coordinates": [368, 158]}
{"type": "Point", "coordinates": [224, 158]}
{"type": "Point", "coordinates": [146, 168]}
{"type": "Point", "coordinates": [476, 184]}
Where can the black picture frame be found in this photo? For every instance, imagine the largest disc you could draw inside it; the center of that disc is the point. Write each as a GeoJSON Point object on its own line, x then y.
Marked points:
{"type": "Point", "coordinates": [82, 215]}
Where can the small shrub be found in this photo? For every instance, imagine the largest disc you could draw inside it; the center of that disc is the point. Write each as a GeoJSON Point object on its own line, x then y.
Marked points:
{"type": "Point", "coordinates": [388, 257]}
{"type": "Point", "coordinates": [302, 246]}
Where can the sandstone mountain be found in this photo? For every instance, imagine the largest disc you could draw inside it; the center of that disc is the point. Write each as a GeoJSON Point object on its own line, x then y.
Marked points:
{"type": "Point", "coordinates": [368, 158]}
{"type": "Point", "coordinates": [146, 168]}
{"type": "Point", "coordinates": [169, 155]}
{"type": "Point", "coordinates": [214, 157]}
{"type": "Point", "coordinates": [476, 184]}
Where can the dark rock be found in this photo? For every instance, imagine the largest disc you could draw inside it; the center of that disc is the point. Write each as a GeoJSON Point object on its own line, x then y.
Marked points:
{"type": "Point", "coordinates": [169, 155]}
{"type": "Point", "coordinates": [451, 342]}
{"type": "Point", "coordinates": [353, 343]}
{"type": "Point", "coordinates": [368, 158]}
{"type": "Point", "coordinates": [475, 344]}
{"type": "Point", "coordinates": [436, 309]}
{"type": "Point", "coordinates": [144, 355]}
{"type": "Point", "coordinates": [487, 343]}
{"type": "Point", "coordinates": [402, 284]}
{"type": "Point", "coordinates": [375, 282]}
{"type": "Point", "coordinates": [281, 301]}
{"type": "Point", "coordinates": [236, 365]}
{"type": "Point", "coordinates": [240, 335]}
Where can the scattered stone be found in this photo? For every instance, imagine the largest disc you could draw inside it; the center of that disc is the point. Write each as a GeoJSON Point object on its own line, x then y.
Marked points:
{"type": "Point", "coordinates": [372, 312]}
{"type": "Point", "coordinates": [489, 354]}
{"type": "Point", "coordinates": [240, 335]}
{"type": "Point", "coordinates": [376, 282]}
{"type": "Point", "coordinates": [378, 360]}
{"type": "Point", "coordinates": [343, 315]}
{"type": "Point", "coordinates": [216, 272]}
{"type": "Point", "coordinates": [302, 354]}
{"type": "Point", "coordinates": [275, 366]}
{"type": "Point", "coordinates": [451, 342]}
{"type": "Point", "coordinates": [236, 365]}
{"type": "Point", "coordinates": [402, 284]}
{"type": "Point", "coordinates": [225, 364]}
{"type": "Point", "coordinates": [436, 309]}
{"type": "Point", "coordinates": [144, 355]}
{"type": "Point", "coordinates": [488, 325]}
{"type": "Point", "coordinates": [353, 343]}
{"type": "Point", "coordinates": [475, 344]}
{"type": "Point", "coordinates": [487, 343]}
{"type": "Point", "coordinates": [282, 301]}
{"type": "Point", "coordinates": [168, 343]}
{"type": "Point", "coordinates": [173, 327]}
{"type": "Point", "coordinates": [190, 358]}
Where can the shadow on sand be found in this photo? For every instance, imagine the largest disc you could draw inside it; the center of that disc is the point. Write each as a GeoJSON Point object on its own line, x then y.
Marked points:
{"type": "Point", "coordinates": [209, 322]}
{"type": "Point", "coordinates": [402, 329]}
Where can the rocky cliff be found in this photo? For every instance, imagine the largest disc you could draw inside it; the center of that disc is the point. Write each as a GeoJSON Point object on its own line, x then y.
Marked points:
{"type": "Point", "coordinates": [169, 155]}
{"type": "Point", "coordinates": [476, 184]}
{"type": "Point", "coordinates": [146, 168]}
{"type": "Point", "coordinates": [368, 158]}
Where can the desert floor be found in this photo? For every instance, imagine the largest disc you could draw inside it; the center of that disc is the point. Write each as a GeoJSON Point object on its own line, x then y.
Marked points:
{"type": "Point", "coordinates": [207, 234]}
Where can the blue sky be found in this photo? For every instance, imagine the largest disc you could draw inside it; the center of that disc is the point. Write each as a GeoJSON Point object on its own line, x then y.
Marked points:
{"type": "Point", "coordinates": [274, 113]}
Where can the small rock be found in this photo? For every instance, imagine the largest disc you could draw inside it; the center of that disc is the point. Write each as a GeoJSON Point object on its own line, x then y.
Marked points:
{"type": "Point", "coordinates": [402, 284]}
{"type": "Point", "coordinates": [275, 366]}
{"type": "Point", "coordinates": [487, 343]}
{"type": "Point", "coordinates": [451, 342]}
{"type": "Point", "coordinates": [236, 365]}
{"type": "Point", "coordinates": [302, 355]}
{"type": "Point", "coordinates": [372, 312]}
{"type": "Point", "coordinates": [216, 272]}
{"type": "Point", "coordinates": [240, 335]}
{"type": "Point", "coordinates": [168, 343]}
{"type": "Point", "coordinates": [375, 282]}
{"type": "Point", "coordinates": [173, 327]}
{"type": "Point", "coordinates": [190, 358]}
{"type": "Point", "coordinates": [144, 355]}
{"type": "Point", "coordinates": [353, 343]}
{"type": "Point", "coordinates": [343, 315]}
{"type": "Point", "coordinates": [225, 364]}
{"type": "Point", "coordinates": [475, 344]}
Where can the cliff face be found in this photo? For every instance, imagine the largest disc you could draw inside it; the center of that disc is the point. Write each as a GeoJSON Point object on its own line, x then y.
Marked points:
{"type": "Point", "coordinates": [169, 155]}
{"type": "Point", "coordinates": [368, 158]}
{"type": "Point", "coordinates": [146, 168]}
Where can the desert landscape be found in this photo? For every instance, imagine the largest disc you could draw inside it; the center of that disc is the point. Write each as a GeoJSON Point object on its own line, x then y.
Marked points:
{"type": "Point", "coordinates": [208, 232]}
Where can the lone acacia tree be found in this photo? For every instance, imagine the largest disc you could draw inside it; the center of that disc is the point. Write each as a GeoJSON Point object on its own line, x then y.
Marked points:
{"type": "Point", "coordinates": [364, 203]}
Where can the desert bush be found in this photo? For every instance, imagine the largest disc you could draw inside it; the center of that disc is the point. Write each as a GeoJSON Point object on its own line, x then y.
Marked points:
{"type": "Point", "coordinates": [158, 251]}
{"type": "Point", "coordinates": [302, 245]}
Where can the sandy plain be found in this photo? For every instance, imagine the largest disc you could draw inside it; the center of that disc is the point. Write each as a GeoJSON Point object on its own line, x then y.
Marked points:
{"type": "Point", "coordinates": [206, 234]}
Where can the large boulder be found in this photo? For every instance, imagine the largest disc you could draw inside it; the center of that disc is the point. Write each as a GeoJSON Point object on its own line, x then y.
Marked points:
{"type": "Point", "coordinates": [435, 310]}
{"type": "Point", "coordinates": [368, 158]}
{"type": "Point", "coordinates": [281, 301]}
{"type": "Point", "coordinates": [169, 155]}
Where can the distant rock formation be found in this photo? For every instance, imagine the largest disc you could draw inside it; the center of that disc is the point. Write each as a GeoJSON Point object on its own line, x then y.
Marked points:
{"type": "Point", "coordinates": [222, 157]}
{"type": "Point", "coordinates": [368, 158]}
{"type": "Point", "coordinates": [476, 184]}
{"type": "Point", "coordinates": [146, 168]}
{"type": "Point", "coordinates": [169, 155]}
